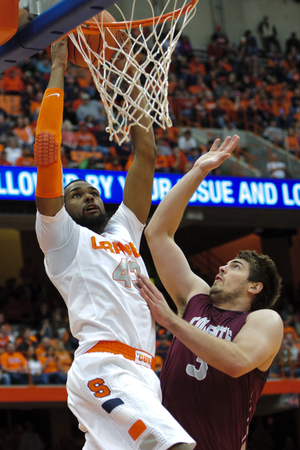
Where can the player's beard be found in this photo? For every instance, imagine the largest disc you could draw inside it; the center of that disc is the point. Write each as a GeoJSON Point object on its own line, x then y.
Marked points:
{"type": "Point", "coordinates": [220, 297]}
{"type": "Point", "coordinates": [94, 222]}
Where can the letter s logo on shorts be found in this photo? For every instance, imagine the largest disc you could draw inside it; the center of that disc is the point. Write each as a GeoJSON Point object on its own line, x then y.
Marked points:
{"type": "Point", "coordinates": [99, 388]}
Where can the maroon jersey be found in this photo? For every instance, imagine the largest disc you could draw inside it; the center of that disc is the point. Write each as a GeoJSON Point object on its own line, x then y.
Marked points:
{"type": "Point", "coordinates": [214, 408]}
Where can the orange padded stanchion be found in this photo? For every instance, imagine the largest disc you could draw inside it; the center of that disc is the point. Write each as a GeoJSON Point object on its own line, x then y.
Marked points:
{"type": "Point", "coordinates": [9, 19]}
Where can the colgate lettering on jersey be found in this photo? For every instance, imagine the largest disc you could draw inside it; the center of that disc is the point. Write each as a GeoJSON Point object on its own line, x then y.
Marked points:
{"type": "Point", "coordinates": [219, 331]}
{"type": "Point", "coordinates": [115, 247]}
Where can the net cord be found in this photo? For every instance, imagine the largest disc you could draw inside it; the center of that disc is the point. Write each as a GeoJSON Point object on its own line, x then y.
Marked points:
{"type": "Point", "coordinates": [151, 58]}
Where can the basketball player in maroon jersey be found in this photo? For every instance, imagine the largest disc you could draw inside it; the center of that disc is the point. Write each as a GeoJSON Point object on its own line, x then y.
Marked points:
{"type": "Point", "coordinates": [225, 337]}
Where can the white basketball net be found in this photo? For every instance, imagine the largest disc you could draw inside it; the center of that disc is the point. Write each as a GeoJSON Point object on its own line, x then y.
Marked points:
{"type": "Point", "coordinates": [150, 55]}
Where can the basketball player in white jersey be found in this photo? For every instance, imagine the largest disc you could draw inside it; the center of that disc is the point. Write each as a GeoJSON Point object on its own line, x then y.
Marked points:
{"type": "Point", "coordinates": [112, 387]}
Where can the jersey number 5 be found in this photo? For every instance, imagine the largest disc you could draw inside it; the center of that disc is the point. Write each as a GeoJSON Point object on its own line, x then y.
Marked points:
{"type": "Point", "coordinates": [199, 373]}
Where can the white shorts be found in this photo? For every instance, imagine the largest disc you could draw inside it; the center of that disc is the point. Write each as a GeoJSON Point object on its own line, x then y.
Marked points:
{"type": "Point", "coordinates": [118, 405]}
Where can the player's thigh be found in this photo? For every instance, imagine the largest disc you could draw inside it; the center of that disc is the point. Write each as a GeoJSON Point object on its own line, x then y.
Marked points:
{"type": "Point", "coordinates": [119, 406]}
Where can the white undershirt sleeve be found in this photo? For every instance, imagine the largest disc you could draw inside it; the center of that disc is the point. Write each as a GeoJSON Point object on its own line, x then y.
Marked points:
{"type": "Point", "coordinates": [58, 238]}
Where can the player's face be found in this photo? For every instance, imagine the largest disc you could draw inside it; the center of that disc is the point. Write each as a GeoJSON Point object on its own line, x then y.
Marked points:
{"type": "Point", "coordinates": [84, 205]}
{"type": "Point", "coordinates": [231, 282]}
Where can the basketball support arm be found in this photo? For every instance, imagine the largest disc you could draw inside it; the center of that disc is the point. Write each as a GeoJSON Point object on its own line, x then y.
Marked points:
{"type": "Point", "coordinates": [46, 28]}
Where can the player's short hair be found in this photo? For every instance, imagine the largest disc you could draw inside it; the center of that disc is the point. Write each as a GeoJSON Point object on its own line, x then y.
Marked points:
{"type": "Point", "coordinates": [71, 182]}
{"type": "Point", "coordinates": [262, 269]}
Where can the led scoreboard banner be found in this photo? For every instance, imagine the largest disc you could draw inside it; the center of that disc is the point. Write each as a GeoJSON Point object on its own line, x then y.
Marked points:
{"type": "Point", "coordinates": [18, 183]}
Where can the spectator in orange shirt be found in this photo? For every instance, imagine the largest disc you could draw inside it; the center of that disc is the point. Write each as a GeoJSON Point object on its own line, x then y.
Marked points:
{"type": "Point", "coordinates": [113, 163]}
{"type": "Point", "coordinates": [43, 347]}
{"type": "Point", "coordinates": [224, 65]}
{"type": "Point", "coordinates": [3, 159]}
{"type": "Point", "coordinates": [177, 161]}
{"type": "Point", "coordinates": [245, 99]}
{"type": "Point", "coordinates": [184, 103]}
{"type": "Point", "coordinates": [64, 357]}
{"type": "Point", "coordinates": [161, 164]}
{"type": "Point", "coordinates": [85, 139]}
{"type": "Point", "coordinates": [26, 159]}
{"type": "Point", "coordinates": [210, 102]}
{"type": "Point", "coordinates": [23, 131]}
{"type": "Point", "coordinates": [263, 106]}
{"type": "Point", "coordinates": [226, 103]}
{"type": "Point", "coordinates": [51, 367]}
{"type": "Point", "coordinates": [83, 77]}
{"type": "Point", "coordinates": [287, 94]}
{"type": "Point", "coordinates": [12, 83]}
{"type": "Point", "coordinates": [14, 364]}
{"type": "Point", "coordinates": [273, 87]}
{"type": "Point", "coordinates": [199, 87]}
{"type": "Point", "coordinates": [170, 134]}
{"type": "Point", "coordinates": [196, 66]}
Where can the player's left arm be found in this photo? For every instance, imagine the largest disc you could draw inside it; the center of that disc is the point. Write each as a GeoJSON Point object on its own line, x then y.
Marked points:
{"type": "Point", "coordinates": [255, 346]}
{"type": "Point", "coordinates": [138, 187]}
{"type": "Point", "coordinates": [259, 340]}
{"type": "Point", "coordinates": [49, 190]}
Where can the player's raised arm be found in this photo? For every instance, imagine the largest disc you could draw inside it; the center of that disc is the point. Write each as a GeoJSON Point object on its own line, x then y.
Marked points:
{"type": "Point", "coordinates": [169, 260]}
{"type": "Point", "coordinates": [255, 346]}
{"type": "Point", "coordinates": [139, 180]}
{"type": "Point", "coordinates": [49, 188]}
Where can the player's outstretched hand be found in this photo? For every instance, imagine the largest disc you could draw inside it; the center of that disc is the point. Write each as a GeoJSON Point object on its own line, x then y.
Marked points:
{"type": "Point", "coordinates": [217, 155]}
{"type": "Point", "coordinates": [59, 52]}
{"type": "Point", "coordinates": [159, 308]}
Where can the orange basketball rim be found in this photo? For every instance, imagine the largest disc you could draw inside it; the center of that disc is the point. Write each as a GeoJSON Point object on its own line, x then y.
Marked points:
{"type": "Point", "coordinates": [90, 27]}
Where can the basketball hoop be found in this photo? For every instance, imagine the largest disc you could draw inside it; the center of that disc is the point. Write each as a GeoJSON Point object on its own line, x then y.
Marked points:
{"type": "Point", "coordinates": [150, 56]}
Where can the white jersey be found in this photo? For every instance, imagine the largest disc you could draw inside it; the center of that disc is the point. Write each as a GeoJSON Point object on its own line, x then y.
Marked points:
{"type": "Point", "coordinates": [96, 276]}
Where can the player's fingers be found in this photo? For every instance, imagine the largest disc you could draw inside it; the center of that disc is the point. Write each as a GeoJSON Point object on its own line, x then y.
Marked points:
{"type": "Point", "coordinates": [146, 284]}
{"type": "Point", "coordinates": [143, 287]}
{"type": "Point", "coordinates": [233, 143]}
{"type": "Point", "coordinates": [145, 296]}
{"type": "Point", "coordinates": [215, 145]}
{"type": "Point", "coordinates": [150, 290]}
{"type": "Point", "coordinates": [224, 144]}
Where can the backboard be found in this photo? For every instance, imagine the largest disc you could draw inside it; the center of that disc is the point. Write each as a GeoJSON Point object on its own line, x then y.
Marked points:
{"type": "Point", "coordinates": [47, 27]}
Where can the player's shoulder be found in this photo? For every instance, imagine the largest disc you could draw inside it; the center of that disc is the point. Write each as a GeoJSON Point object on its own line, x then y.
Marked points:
{"type": "Point", "coordinates": [267, 316]}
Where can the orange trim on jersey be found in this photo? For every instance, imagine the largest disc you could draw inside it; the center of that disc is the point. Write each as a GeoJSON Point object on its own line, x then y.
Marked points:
{"type": "Point", "coordinates": [137, 429]}
{"type": "Point", "coordinates": [118, 348]}
{"type": "Point", "coordinates": [47, 145]}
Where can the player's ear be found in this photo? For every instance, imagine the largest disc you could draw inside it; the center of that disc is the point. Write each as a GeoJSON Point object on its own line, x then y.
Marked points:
{"type": "Point", "coordinates": [255, 287]}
